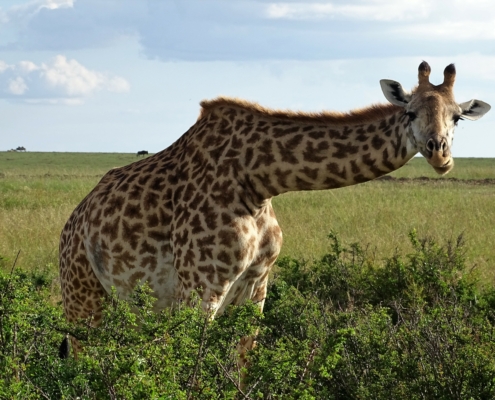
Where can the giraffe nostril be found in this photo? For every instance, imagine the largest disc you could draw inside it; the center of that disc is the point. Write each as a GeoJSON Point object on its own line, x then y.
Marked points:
{"type": "Point", "coordinates": [436, 145]}
{"type": "Point", "coordinates": [430, 145]}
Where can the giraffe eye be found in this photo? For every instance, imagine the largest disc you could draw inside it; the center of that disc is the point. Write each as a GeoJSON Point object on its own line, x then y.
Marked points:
{"type": "Point", "coordinates": [457, 118]}
{"type": "Point", "coordinates": [412, 116]}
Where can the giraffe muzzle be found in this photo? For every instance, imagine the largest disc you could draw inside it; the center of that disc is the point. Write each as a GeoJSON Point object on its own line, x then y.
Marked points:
{"type": "Point", "coordinates": [436, 145]}
{"type": "Point", "coordinates": [438, 155]}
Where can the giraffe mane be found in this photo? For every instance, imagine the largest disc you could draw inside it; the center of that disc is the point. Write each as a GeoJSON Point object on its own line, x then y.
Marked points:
{"type": "Point", "coordinates": [357, 116]}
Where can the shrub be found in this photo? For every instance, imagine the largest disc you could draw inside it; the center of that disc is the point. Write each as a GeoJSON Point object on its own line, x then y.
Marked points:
{"type": "Point", "coordinates": [419, 326]}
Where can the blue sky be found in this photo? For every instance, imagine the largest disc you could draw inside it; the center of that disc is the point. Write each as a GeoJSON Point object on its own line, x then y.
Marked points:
{"type": "Point", "coordinates": [127, 75]}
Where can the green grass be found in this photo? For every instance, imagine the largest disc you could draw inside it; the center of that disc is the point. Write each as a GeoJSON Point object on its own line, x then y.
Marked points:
{"type": "Point", "coordinates": [464, 168]}
{"type": "Point", "coordinates": [380, 215]}
{"type": "Point", "coordinates": [38, 191]}
{"type": "Point", "coordinates": [62, 165]}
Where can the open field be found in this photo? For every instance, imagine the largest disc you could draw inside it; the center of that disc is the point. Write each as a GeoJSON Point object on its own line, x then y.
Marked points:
{"type": "Point", "coordinates": [38, 191]}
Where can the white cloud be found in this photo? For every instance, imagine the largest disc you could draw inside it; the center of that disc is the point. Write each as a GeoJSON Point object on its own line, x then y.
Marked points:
{"type": "Point", "coordinates": [199, 30]}
{"type": "Point", "coordinates": [20, 16]}
{"type": "Point", "coordinates": [453, 30]}
{"type": "Point", "coordinates": [27, 66]}
{"type": "Point", "coordinates": [54, 4]}
{"type": "Point", "coordinates": [61, 80]}
{"type": "Point", "coordinates": [375, 10]}
{"type": "Point", "coordinates": [30, 9]}
{"type": "Point", "coordinates": [118, 85]}
{"type": "Point", "coordinates": [71, 77]}
{"type": "Point", "coordinates": [17, 86]}
{"type": "Point", "coordinates": [248, 30]}
{"type": "Point", "coordinates": [3, 66]}
{"type": "Point", "coordinates": [61, 25]}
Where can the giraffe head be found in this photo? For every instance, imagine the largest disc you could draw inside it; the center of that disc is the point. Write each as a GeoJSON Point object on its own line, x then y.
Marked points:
{"type": "Point", "coordinates": [432, 114]}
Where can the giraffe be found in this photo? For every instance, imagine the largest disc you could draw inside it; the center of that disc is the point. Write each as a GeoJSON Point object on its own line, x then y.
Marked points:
{"type": "Point", "coordinates": [198, 215]}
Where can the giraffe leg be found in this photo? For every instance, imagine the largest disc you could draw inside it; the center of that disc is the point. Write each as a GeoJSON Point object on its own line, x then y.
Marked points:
{"type": "Point", "coordinates": [81, 294]}
{"type": "Point", "coordinates": [246, 344]}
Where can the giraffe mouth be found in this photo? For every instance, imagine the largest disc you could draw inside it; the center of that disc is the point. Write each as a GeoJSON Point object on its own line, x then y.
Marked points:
{"type": "Point", "coordinates": [445, 168]}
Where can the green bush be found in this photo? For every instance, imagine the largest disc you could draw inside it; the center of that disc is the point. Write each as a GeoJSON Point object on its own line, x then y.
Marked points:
{"type": "Point", "coordinates": [419, 326]}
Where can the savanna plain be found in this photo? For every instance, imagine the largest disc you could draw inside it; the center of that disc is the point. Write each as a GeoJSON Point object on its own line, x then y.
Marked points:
{"type": "Point", "coordinates": [38, 192]}
{"type": "Point", "coordinates": [383, 290]}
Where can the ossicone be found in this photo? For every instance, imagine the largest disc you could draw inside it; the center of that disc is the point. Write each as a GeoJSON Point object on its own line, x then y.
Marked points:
{"type": "Point", "coordinates": [424, 71]}
{"type": "Point", "coordinates": [449, 76]}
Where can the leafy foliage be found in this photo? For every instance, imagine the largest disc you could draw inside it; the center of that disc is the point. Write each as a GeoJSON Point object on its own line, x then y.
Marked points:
{"type": "Point", "coordinates": [416, 327]}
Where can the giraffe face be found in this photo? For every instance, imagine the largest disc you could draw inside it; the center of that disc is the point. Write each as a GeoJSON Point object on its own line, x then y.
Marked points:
{"type": "Point", "coordinates": [432, 120]}
{"type": "Point", "coordinates": [432, 114]}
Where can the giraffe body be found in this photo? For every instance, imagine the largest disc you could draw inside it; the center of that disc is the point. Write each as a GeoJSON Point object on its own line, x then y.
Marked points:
{"type": "Point", "coordinates": [198, 215]}
{"type": "Point", "coordinates": [147, 223]}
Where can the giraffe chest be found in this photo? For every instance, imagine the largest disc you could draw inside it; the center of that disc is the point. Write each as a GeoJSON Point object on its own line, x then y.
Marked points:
{"type": "Point", "coordinates": [230, 261]}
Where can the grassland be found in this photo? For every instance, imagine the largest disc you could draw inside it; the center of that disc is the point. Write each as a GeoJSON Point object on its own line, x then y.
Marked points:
{"type": "Point", "coordinates": [38, 191]}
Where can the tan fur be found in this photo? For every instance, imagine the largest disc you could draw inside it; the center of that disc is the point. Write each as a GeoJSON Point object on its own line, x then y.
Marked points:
{"type": "Point", "coordinates": [354, 117]}
{"type": "Point", "coordinates": [197, 216]}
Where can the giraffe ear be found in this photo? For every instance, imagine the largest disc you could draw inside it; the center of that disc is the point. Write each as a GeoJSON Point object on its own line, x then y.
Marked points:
{"type": "Point", "coordinates": [394, 93]}
{"type": "Point", "coordinates": [474, 109]}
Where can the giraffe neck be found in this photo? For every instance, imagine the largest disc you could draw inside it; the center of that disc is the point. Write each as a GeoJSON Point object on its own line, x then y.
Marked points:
{"type": "Point", "coordinates": [276, 153]}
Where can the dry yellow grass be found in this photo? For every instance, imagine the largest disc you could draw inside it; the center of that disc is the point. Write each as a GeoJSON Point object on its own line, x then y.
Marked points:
{"type": "Point", "coordinates": [380, 215]}
{"type": "Point", "coordinates": [38, 191]}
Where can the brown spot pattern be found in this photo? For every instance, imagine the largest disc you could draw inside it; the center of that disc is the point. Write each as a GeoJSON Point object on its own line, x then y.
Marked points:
{"type": "Point", "coordinates": [203, 204]}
